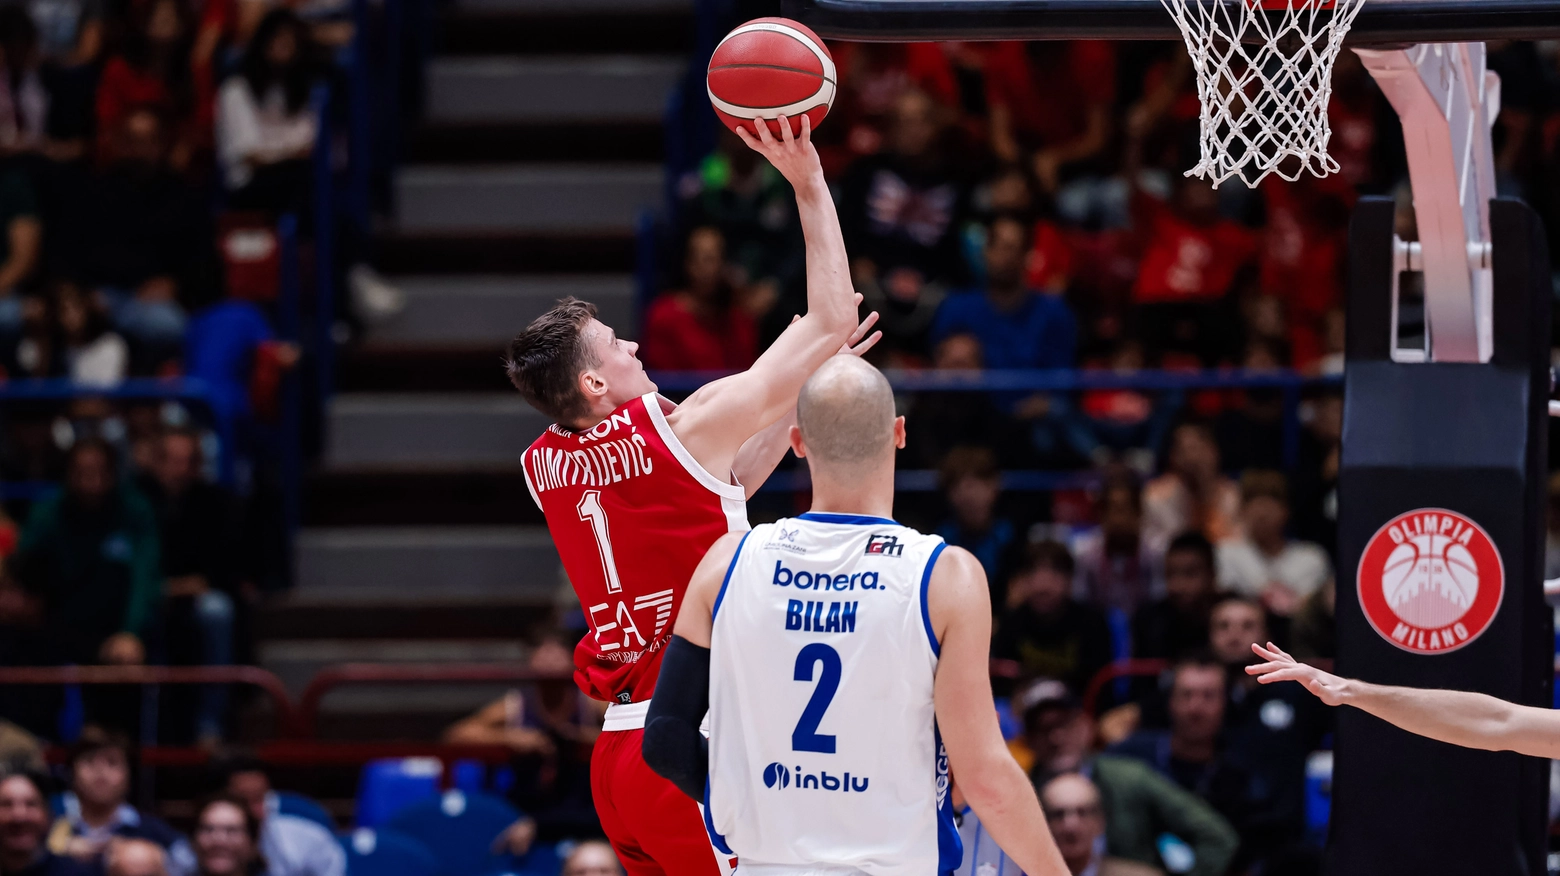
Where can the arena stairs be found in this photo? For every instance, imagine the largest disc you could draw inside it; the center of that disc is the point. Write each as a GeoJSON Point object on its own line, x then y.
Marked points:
{"type": "Point", "coordinates": [540, 145]}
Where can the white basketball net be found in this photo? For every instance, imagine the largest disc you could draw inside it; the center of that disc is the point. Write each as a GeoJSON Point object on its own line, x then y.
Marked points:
{"type": "Point", "coordinates": [1264, 77]}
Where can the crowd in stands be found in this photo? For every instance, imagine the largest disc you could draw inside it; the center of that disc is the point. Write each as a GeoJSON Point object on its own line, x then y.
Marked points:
{"type": "Point", "coordinates": [147, 149]}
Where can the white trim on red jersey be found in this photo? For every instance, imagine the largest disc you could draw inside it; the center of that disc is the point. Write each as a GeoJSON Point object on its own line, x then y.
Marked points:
{"type": "Point", "coordinates": [530, 487]}
{"type": "Point", "coordinates": [733, 497]}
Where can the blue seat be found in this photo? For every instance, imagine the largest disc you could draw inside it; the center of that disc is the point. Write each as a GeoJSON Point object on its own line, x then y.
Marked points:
{"type": "Point", "coordinates": [373, 852]}
{"type": "Point", "coordinates": [299, 806]}
{"type": "Point", "coordinates": [459, 829]}
{"type": "Point", "coordinates": [385, 787]}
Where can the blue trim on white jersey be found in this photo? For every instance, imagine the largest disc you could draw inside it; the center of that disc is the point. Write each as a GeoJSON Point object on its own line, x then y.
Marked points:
{"type": "Point", "coordinates": [950, 846]}
{"type": "Point", "coordinates": [715, 609]}
{"type": "Point", "coordinates": [926, 614]}
{"type": "Point", "coordinates": [847, 519]}
{"type": "Point", "coordinates": [716, 840]}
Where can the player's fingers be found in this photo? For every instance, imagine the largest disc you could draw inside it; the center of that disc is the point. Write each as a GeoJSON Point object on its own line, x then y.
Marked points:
{"type": "Point", "coordinates": [866, 326]}
{"type": "Point", "coordinates": [1262, 652]}
{"type": "Point", "coordinates": [1280, 651]}
{"type": "Point", "coordinates": [806, 129]}
{"type": "Point", "coordinates": [747, 138]}
{"type": "Point", "coordinates": [858, 298]}
{"type": "Point", "coordinates": [795, 318]}
{"type": "Point", "coordinates": [765, 136]}
{"type": "Point", "coordinates": [862, 348]}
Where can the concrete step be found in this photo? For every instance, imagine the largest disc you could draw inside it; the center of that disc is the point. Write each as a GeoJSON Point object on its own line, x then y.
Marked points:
{"type": "Point", "coordinates": [488, 310]}
{"type": "Point", "coordinates": [565, 141]}
{"type": "Point", "coordinates": [612, 88]}
{"type": "Point", "coordinates": [565, 29]}
{"type": "Point", "coordinates": [525, 198]}
{"type": "Point", "coordinates": [393, 497]}
{"type": "Point", "coordinates": [429, 431]}
{"type": "Point", "coordinates": [500, 252]}
{"type": "Point", "coordinates": [430, 564]}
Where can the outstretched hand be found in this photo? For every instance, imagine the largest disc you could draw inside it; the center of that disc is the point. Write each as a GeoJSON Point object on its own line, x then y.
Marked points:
{"type": "Point", "coordinates": [860, 342]}
{"type": "Point", "coordinates": [793, 156]}
{"type": "Point", "coordinates": [1327, 687]}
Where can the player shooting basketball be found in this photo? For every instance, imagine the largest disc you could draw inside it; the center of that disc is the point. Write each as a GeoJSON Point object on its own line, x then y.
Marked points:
{"type": "Point", "coordinates": [635, 489]}
{"type": "Point", "coordinates": [1472, 720]}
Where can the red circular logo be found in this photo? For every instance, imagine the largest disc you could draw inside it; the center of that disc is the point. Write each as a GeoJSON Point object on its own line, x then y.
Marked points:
{"type": "Point", "coordinates": [1430, 581]}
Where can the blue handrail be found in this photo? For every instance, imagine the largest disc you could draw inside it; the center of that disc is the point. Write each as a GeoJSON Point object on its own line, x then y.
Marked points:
{"type": "Point", "coordinates": [189, 390]}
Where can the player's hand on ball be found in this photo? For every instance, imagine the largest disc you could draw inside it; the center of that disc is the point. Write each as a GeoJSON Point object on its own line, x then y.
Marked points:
{"type": "Point", "coordinates": [1329, 688]}
{"type": "Point", "coordinates": [794, 157]}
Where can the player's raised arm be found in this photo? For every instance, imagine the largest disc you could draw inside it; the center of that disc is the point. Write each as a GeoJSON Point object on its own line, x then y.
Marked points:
{"type": "Point", "coordinates": [719, 418]}
{"type": "Point", "coordinates": [1471, 720]}
{"type": "Point", "coordinates": [988, 776]}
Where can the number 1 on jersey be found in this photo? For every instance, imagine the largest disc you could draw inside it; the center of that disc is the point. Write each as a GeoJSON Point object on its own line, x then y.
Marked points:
{"type": "Point", "coordinates": [806, 736]}
{"type": "Point", "coordinates": [591, 512]}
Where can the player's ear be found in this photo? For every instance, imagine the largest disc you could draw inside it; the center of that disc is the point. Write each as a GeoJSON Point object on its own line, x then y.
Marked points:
{"type": "Point", "coordinates": [797, 445]}
{"type": "Point", "coordinates": [899, 432]}
{"type": "Point", "coordinates": [592, 384]}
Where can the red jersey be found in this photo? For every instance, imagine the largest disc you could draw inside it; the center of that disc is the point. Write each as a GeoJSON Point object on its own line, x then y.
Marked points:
{"type": "Point", "coordinates": [1186, 263]}
{"type": "Point", "coordinates": [632, 514]}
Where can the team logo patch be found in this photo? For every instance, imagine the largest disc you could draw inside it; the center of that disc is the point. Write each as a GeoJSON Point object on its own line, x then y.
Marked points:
{"type": "Point", "coordinates": [1430, 581]}
{"type": "Point", "coordinates": [884, 546]}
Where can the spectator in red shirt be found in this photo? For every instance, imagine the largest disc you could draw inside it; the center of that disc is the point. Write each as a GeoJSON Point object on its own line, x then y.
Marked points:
{"type": "Point", "coordinates": [1192, 258]}
{"type": "Point", "coordinates": [701, 327]}
{"type": "Point", "coordinates": [155, 70]}
{"type": "Point", "coordinates": [1051, 109]}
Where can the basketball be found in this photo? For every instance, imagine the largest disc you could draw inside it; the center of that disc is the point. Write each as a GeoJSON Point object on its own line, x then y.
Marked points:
{"type": "Point", "coordinates": [767, 68]}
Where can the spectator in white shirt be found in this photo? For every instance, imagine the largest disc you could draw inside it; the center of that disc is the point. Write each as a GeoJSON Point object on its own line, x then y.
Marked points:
{"type": "Point", "coordinates": [1266, 564]}
{"type": "Point", "coordinates": [290, 846]}
{"type": "Point", "coordinates": [265, 125]}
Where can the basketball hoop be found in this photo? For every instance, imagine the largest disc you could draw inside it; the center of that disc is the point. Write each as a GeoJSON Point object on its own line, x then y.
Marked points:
{"type": "Point", "coordinates": [1264, 76]}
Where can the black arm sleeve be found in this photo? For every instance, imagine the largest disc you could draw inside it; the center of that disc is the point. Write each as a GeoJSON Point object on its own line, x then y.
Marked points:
{"type": "Point", "coordinates": [673, 745]}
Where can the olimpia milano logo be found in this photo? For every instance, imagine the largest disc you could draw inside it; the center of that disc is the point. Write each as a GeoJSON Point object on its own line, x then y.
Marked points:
{"type": "Point", "coordinates": [778, 776]}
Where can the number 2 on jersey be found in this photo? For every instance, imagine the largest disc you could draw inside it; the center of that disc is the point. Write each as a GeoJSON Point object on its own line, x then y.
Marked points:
{"type": "Point", "coordinates": [591, 512]}
{"type": "Point", "coordinates": [806, 736]}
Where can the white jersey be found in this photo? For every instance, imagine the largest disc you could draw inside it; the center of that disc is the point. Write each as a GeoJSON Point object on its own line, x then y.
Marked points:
{"type": "Point", "coordinates": [824, 751]}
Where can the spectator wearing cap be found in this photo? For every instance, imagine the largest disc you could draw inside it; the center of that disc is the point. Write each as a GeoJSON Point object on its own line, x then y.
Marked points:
{"type": "Point", "coordinates": [1271, 727]}
{"type": "Point", "coordinates": [1075, 813]}
{"type": "Point", "coordinates": [227, 839]}
{"type": "Point", "coordinates": [1177, 623]}
{"type": "Point", "coordinates": [289, 846]}
{"type": "Point", "coordinates": [592, 858]}
{"type": "Point", "coordinates": [1139, 805]}
{"type": "Point", "coordinates": [1192, 752]}
{"type": "Point", "coordinates": [96, 809]}
{"type": "Point", "coordinates": [135, 858]}
{"type": "Point", "coordinates": [1265, 563]}
{"type": "Point", "coordinates": [24, 821]}
{"type": "Point", "coordinates": [972, 486]}
{"type": "Point", "coordinates": [1047, 633]}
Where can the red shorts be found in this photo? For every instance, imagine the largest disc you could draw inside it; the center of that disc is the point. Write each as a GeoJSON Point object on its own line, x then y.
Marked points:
{"type": "Point", "coordinates": [654, 828]}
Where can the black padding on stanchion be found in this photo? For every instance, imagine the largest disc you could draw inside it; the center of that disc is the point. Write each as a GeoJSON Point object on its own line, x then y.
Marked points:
{"type": "Point", "coordinates": [1471, 439]}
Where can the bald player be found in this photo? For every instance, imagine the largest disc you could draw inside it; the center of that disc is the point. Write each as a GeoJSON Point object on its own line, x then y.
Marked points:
{"type": "Point", "coordinates": [1471, 720]}
{"type": "Point", "coordinates": [842, 659]}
